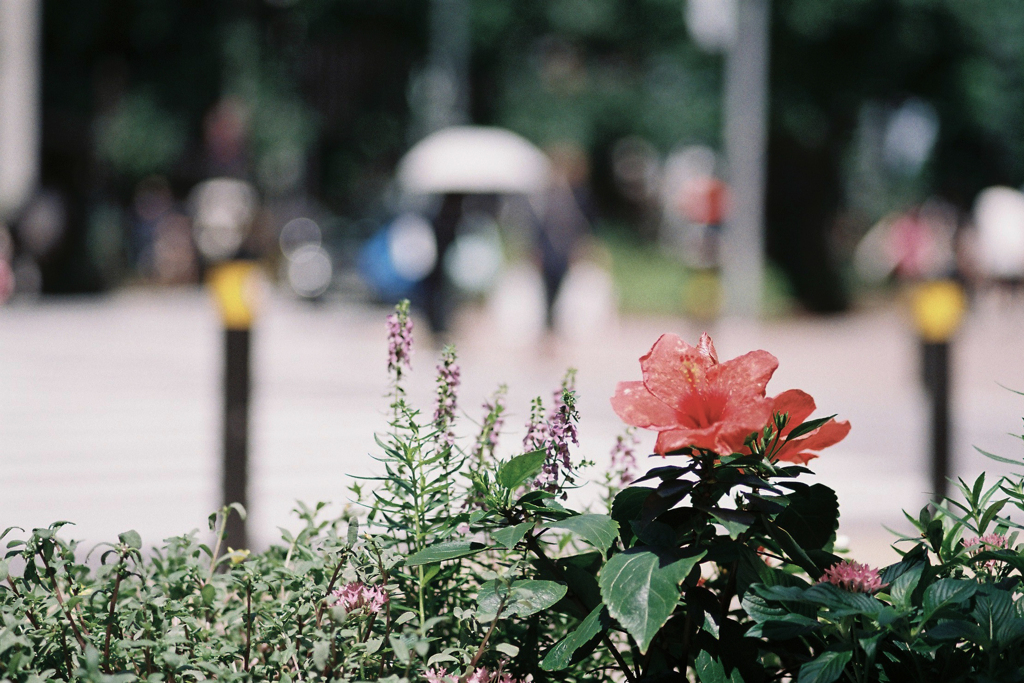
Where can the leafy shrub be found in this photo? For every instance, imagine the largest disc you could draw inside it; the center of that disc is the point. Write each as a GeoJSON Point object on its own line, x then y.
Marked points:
{"type": "Point", "coordinates": [469, 568]}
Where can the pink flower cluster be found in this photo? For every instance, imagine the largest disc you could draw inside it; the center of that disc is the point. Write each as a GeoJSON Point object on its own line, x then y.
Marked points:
{"type": "Point", "coordinates": [400, 339]}
{"type": "Point", "coordinates": [480, 675]}
{"type": "Point", "coordinates": [554, 434]}
{"type": "Point", "coordinates": [623, 460]}
{"type": "Point", "coordinates": [989, 540]}
{"type": "Point", "coordinates": [448, 380]}
{"type": "Point", "coordinates": [853, 576]}
{"type": "Point", "coordinates": [355, 596]}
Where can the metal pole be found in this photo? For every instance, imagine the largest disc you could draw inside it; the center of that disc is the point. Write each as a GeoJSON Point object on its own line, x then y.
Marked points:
{"type": "Point", "coordinates": [935, 357]}
{"type": "Point", "coordinates": [19, 102]}
{"type": "Point", "coordinates": [235, 474]}
{"type": "Point", "coordinates": [746, 114]}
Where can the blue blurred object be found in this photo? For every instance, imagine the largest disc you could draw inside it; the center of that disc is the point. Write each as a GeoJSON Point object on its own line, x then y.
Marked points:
{"type": "Point", "coordinates": [377, 268]}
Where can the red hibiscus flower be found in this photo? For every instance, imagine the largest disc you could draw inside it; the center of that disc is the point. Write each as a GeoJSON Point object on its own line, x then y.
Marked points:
{"type": "Point", "coordinates": [691, 399]}
{"type": "Point", "coordinates": [799, 406]}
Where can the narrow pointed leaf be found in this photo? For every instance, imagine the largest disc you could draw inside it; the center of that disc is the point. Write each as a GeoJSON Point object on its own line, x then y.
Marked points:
{"type": "Point", "coordinates": [560, 656]}
{"type": "Point", "coordinates": [449, 550]}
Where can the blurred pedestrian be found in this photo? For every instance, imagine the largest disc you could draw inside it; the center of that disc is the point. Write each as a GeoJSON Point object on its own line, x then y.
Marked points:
{"type": "Point", "coordinates": [438, 291]}
{"type": "Point", "coordinates": [563, 221]}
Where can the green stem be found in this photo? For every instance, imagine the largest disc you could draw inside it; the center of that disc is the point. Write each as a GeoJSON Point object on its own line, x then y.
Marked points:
{"type": "Point", "coordinates": [110, 614]}
{"type": "Point", "coordinates": [220, 538]}
{"type": "Point", "coordinates": [60, 599]}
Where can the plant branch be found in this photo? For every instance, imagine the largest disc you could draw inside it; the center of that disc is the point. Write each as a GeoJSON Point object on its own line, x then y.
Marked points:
{"type": "Point", "coordinates": [330, 587]}
{"type": "Point", "coordinates": [28, 612]}
{"type": "Point", "coordinates": [110, 615]}
{"type": "Point", "coordinates": [60, 599]}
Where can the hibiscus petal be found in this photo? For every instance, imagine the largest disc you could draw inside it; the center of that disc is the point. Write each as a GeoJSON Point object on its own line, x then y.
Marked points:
{"type": "Point", "coordinates": [637, 406]}
{"type": "Point", "coordinates": [746, 375]}
{"type": "Point", "coordinates": [674, 439]}
{"type": "Point", "coordinates": [826, 435]}
{"type": "Point", "coordinates": [740, 420]}
{"type": "Point", "coordinates": [673, 370]}
{"type": "Point", "coordinates": [798, 404]}
{"type": "Point", "coordinates": [800, 450]}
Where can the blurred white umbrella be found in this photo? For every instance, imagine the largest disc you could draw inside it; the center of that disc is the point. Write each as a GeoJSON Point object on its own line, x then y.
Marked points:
{"type": "Point", "coordinates": [474, 159]}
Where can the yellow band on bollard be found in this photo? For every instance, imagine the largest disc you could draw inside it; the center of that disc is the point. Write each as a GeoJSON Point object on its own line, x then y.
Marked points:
{"type": "Point", "coordinates": [938, 309]}
{"type": "Point", "coordinates": [234, 288]}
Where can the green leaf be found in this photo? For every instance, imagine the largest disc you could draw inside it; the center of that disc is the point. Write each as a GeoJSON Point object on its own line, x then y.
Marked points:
{"type": "Point", "coordinates": [510, 535]}
{"type": "Point", "coordinates": [448, 550]}
{"type": "Point", "coordinates": [4, 570]}
{"type": "Point", "coordinates": [353, 532]}
{"type": "Point", "coordinates": [627, 507]}
{"type": "Point", "coordinates": [711, 670]}
{"type": "Point", "coordinates": [807, 427]}
{"type": "Point", "coordinates": [903, 586]}
{"type": "Point", "coordinates": [560, 656]}
{"type": "Point", "coordinates": [946, 591]}
{"type": "Point", "coordinates": [843, 603]}
{"type": "Point", "coordinates": [131, 539]}
{"type": "Point", "coordinates": [783, 627]}
{"type": "Point", "coordinates": [641, 589]}
{"type": "Point", "coordinates": [321, 651]}
{"type": "Point", "coordinates": [597, 530]}
{"type": "Point", "coordinates": [734, 521]}
{"type": "Point", "coordinates": [208, 593]}
{"type": "Point", "coordinates": [513, 473]}
{"type": "Point", "coordinates": [812, 516]}
{"type": "Point", "coordinates": [522, 598]}
{"type": "Point", "coordinates": [825, 669]}
{"type": "Point", "coordinates": [507, 649]}
{"type": "Point", "coordinates": [796, 554]}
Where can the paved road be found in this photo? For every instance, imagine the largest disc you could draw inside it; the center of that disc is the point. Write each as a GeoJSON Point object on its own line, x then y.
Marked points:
{"type": "Point", "coordinates": [109, 406]}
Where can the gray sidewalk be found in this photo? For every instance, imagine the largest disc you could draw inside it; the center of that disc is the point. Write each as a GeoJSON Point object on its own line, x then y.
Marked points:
{"type": "Point", "coordinates": [109, 407]}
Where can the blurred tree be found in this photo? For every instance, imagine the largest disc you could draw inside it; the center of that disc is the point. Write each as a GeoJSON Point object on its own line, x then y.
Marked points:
{"type": "Point", "coordinates": [831, 62]}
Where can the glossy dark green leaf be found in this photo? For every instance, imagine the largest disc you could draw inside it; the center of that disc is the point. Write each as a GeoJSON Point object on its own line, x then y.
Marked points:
{"type": "Point", "coordinates": [448, 550]}
{"type": "Point", "coordinates": [516, 471]}
{"type": "Point", "coordinates": [902, 587]}
{"type": "Point", "coordinates": [811, 517]}
{"type": "Point", "coordinates": [597, 530]}
{"type": "Point", "coordinates": [784, 627]}
{"type": "Point", "coordinates": [641, 589]}
{"type": "Point", "coordinates": [560, 656]}
{"type": "Point", "coordinates": [522, 598]}
{"type": "Point", "coordinates": [828, 667]}
{"type": "Point", "coordinates": [711, 670]}
{"type": "Point", "coordinates": [947, 591]}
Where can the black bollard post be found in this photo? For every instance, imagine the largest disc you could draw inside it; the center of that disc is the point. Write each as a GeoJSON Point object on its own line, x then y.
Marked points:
{"type": "Point", "coordinates": [235, 472]}
{"type": "Point", "coordinates": [938, 310]}
{"type": "Point", "coordinates": [935, 356]}
{"type": "Point", "coordinates": [232, 285]}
